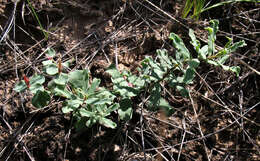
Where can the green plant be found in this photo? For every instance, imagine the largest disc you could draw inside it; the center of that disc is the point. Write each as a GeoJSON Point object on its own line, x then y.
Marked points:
{"type": "Point", "coordinates": [38, 20]}
{"type": "Point", "coordinates": [177, 73]}
{"type": "Point", "coordinates": [89, 103]}
{"type": "Point", "coordinates": [208, 52]}
{"type": "Point", "coordinates": [86, 101]}
{"type": "Point", "coordinates": [198, 6]}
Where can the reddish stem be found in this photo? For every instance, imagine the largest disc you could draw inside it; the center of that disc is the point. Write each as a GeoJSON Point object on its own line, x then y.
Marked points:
{"type": "Point", "coordinates": [27, 81]}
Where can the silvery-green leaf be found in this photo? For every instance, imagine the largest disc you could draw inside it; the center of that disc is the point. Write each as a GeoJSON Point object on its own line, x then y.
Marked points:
{"type": "Point", "coordinates": [37, 79]}
{"type": "Point", "coordinates": [51, 52]}
{"type": "Point", "coordinates": [41, 99]}
{"type": "Point", "coordinates": [47, 62]}
{"type": "Point", "coordinates": [194, 63]}
{"type": "Point", "coordinates": [61, 79]}
{"type": "Point", "coordinates": [86, 113]}
{"type": "Point", "coordinates": [125, 111]}
{"type": "Point", "coordinates": [66, 109]}
{"type": "Point", "coordinates": [188, 76]}
{"type": "Point", "coordinates": [94, 86]}
{"type": "Point", "coordinates": [107, 122]}
{"type": "Point", "coordinates": [184, 92]}
{"type": "Point", "coordinates": [51, 69]}
{"type": "Point", "coordinates": [181, 48]}
{"type": "Point", "coordinates": [194, 41]}
{"type": "Point", "coordinates": [36, 87]}
{"type": "Point", "coordinates": [20, 87]}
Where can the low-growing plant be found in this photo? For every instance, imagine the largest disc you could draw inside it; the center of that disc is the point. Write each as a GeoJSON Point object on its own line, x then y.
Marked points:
{"type": "Point", "coordinates": [46, 35]}
{"type": "Point", "coordinates": [198, 6]}
{"type": "Point", "coordinates": [89, 103]}
{"type": "Point", "coordinates": [83, 99]}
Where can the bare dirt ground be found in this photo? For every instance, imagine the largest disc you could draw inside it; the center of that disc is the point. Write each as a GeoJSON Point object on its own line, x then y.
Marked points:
{"type": "Point", "coordinates": [220, 122]}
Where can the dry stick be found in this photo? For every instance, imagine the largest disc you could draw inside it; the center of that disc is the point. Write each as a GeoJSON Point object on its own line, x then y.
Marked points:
{"type": "Point", "coordinates": [67, 136]}
{"type": "Point", "coordinates": [159, 150]}
{"type": "Point", "coordinates": [220, 130]}
{"type": "Point", "coordinates": [155, 31]}
{"type": "Point", "coordinates": [170, 124]}
{"type": "Point", "coordinates": [237, 36]}
{"type": "Point", "coordinates": [103, 44]}
{"type": "Point", "coordinates": [227, 108]}
{"type": "Point", "coordinates": [224, 105]}
{"type": "Point", "coordinates": [9, 23]}
{"type": "Point", "coordinates": [141, 111]}
{"type": "Point", "coordinates": [174, 19]}
{"type": "Point", "coordinates": [184, 128]}
{"type": "Point", "coordinates": [28, 153]}
{"type": "Point", "coordinates": [7, 124]}
{"type": "Point", "coordinates": [248, 66]}
{"type": "Point", "coordinates": [198, 122]}
{"type": "Point", "coordinates": [252, 141]}
{"type": "Point", "coordinates": [17, 138]}
{"type": "Point", "coordinates": [116, 56]}
{"type": "Point", "coordinates": [142, 134]}
{"type": "Point", "coordinates": [240, 98]}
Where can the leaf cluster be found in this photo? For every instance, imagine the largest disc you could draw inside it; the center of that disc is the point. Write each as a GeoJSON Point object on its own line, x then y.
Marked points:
{"type": "Point", "coordinates": [90, 104]}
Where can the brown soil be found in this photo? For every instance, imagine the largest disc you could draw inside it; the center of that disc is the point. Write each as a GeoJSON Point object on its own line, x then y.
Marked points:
{"type": "Point", "coordinates": [225, 126]}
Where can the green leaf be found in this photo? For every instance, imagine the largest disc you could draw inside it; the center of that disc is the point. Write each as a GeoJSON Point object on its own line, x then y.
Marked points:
{"type": "Point", "coordinates": [47, 62]}
{"type": "Point", "coordinates": [138, 82]}
{"type": "Point", "coordinates": [182, 52]}
{"type": "Point", "coordinates": [203, 52]}
{"type": "Point", "coordinates": [125, 111]}
{"type": "Point", "coordinates": [94, 86]}
{"type": "Point", "coordinates": [229, 43]}
{"type": "Point", "coordinates": [194, 63]}
{"type": "Point", "coordinates": [112, 108]}
{"type": "Point", "coordinates": [41, 99]}
{"type": "Point", "coordinates": [98, 101]}
{"type": "Point", "coordinates": [235, 69]}
{"type": "Point", "coordinates": [154, 99]}
{"type": "Point", "coordinates": [187, 8]}
{"type": "Point", "coordinates": [66, 109]}
{"type": "Point", "coordinates": [212, 36]}
{"type": "Point", "coordinates": [51, 52]}
{"type": "Point", "coordinates": [104, 93]}
{"type": "Point", "coordinates": [67, 63]}
{"type": "Point", "coordinates": [189, 76]}
{"type": "Point", "coordinates": [184, 92]}
{"type": "Point", "coordinates": [223, 59]}
{"type": "Point", "coordinates": [75, 103]}
{"type": "Point", "coordinates": [62, 91]}
{"type": "Point", "coordinates": [79, 79]}
{"type": "Point", "coordinates": [62, 79]}
{"type": "Point", "coordinates": [212, 62]}
{"type": "Point", "coordinates": [101, 110]}
{"type": "Point", "coordinates": [36, 87]}
{"type": "Point", "coordinates": [37, 79]}
{"type": "Point", "coordinates": [125, 91]}
{"type": "Point", "coordinates": [236, 45]}
{"type": "Point", "coordinates": [20, 87]}
{"type": "Point", "coordinates": [107, 122]}
{"type": "Point", "coordinates": [51, 69]}
{"type": "Point", "coordinates": [165, 60]}
{"type": "Point", "coordinates": [194, 41]}
{"type": "Point", "coordinates": [113, 71]}
{"type": "Point", "coordinates": [83, 112]}
{"type": "Point", "coordinates": [163, 104]}
{"type": "Point", "coordinates": [91, 121]}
